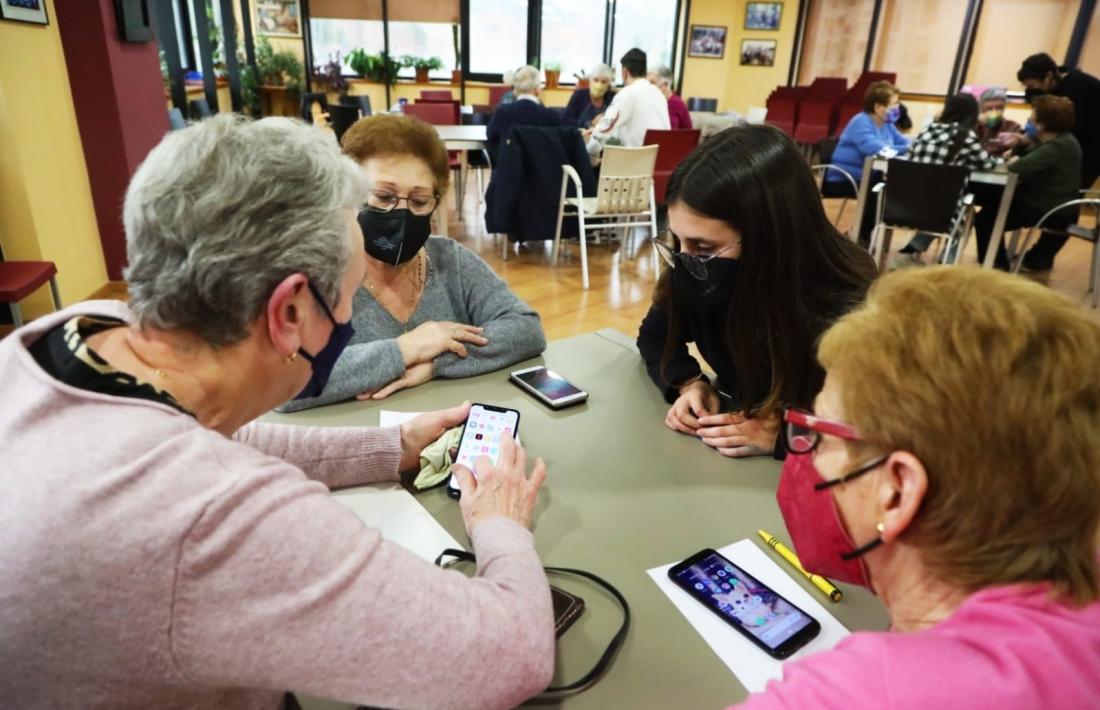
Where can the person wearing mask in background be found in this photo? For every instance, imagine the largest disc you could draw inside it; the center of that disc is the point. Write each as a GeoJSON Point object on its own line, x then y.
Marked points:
{"type": "Point", "coordinates": [678, 116]}
{"type": "Point", "coordinates": [1048, 171]}
{"type": "Point", "coordinates": [161, 547]}
{"type": "Point", "coordinates": [638, 107]}
{"type": "Point", "coordinates": [869, 132]}
{"type": "Point", "coordinates": [1041, 75]}
{"type": "Point", "coordinates": [759, 275]}
{"type": "Point", "coordinates": [995, 131]}
{"type": "Point", "coordinates": [526, 110]}
{"type": "Point", "coordinates": [427, 307]}
{"type": "Point", "coordinates": [587, 105]}
{"type": "Point", "coordinates": [949, 140]}
{"type": "Point", "coordinates": [950, 465]}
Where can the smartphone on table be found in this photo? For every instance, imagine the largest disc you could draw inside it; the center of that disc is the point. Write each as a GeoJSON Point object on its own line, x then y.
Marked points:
{"type": "Point", "coordinates": [766, 619]}
{"type": "Point", "coordinates": [548, 387]}
{"type": "Point", "coordinates": [485, 427]}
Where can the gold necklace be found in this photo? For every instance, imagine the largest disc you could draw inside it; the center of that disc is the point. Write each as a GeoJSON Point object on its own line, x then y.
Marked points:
{"type": "Point", "coordinates": [421, 279]}
{"type": "Point", "coordinates": [159, 372]}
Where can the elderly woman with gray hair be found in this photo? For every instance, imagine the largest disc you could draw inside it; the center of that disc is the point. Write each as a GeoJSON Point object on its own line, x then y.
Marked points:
{"type": "Point", "coordinates": [678, 116]}
{"type": "Point", "coordinates": [996, 133]}
{"type": "Point", "coordinates": [163, 549]}
{"type": "Point", "coordinates": [588, 104]}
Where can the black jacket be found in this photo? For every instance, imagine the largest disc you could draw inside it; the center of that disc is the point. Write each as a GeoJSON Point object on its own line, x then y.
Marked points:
{"type": "Point", "coordinates": [580, 111]}
{"type": "Point", "coordinates": [522, 199]}
{"type": "Point", "coordinates": [1084, 91]}
{"type": "Point", "coordinates": [517, 113]}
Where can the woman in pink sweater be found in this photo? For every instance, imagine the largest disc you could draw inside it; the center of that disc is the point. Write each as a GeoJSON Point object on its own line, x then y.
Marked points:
{"type": "Point", "coordinates": [162, 550]}
{"type": "Point", "coordinates": [951, 466]}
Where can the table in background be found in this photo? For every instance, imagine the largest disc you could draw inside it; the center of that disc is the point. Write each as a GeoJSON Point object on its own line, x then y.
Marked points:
{"type": "Point", "coordinates": [623, 494]}
{"type": "Point", "coordinates": [1002, 178]}
{"type": "Point", "coordinates": [462, 139]}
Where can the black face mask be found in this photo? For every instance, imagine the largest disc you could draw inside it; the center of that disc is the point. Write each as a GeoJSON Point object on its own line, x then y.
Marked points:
{"type": "Point", "coordinates": [394, 237]}
{"type": "Point", "coordinates": [710, 295]}
{"type": "Point", "coordinates": [1031, 94]}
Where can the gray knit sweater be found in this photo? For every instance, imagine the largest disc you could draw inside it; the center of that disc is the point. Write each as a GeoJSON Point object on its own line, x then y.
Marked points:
{"type": "Point", "coordinates": [459, 287]}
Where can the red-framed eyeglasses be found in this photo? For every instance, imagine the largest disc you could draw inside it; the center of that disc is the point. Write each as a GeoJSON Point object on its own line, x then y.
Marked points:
{"type": "Point", "coordinates": [803, 432]}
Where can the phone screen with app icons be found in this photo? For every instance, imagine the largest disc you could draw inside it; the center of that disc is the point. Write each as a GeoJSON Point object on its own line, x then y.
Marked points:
{"type": "Point", "coordinates": [484, 431]}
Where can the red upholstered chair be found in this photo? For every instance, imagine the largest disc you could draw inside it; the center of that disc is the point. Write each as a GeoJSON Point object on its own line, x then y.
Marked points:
{"type": "Point", "coordinates": [496, 93]}
{"type": "Point", "coordinates": [455, 106]}
{"type": "Point", "coordinates": [18, 279]}
{"type": "Point", "coordinates": [672, 147]}
{"type": "Point", "coordinates": [783, 107]}
{"type": "Point", "coordinates": [439, 113]}
{"type": "Point", "coordinates": [436, 95]}
{"type": "Point", "coordinates": [818, 109]}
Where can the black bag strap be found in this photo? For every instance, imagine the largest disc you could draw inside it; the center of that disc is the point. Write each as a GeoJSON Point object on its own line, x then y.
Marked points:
{"type": "Point", "coordinates": [606, 658]}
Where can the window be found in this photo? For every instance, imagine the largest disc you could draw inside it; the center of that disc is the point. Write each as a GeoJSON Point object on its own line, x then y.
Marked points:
{"type": "Point", "coordinates": [1010, 30]}
{"type": "Point", "coordinates": [649, 28]}
{"type": "Point", "coordinates": [835, 41]}
{"type": "Point", "coordinates": [330, 36]}
{"type": "Point", "coordinates": [498, 35]}
{"type": "Point", "coordinates": [424, 40]}
{"type": "Point", "coordinates": [572, 35]}
{"type": "Point", "coordinates": [918, 41]}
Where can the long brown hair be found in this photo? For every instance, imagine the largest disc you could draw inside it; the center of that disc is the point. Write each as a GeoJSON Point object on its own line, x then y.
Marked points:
{"type": "Point", "coordinates": [797, 272]}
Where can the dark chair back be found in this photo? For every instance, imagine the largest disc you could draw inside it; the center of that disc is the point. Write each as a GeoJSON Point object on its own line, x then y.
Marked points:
{"type": "Point", "coordinates": [697, 104]}
{"type": "Point", "coordinates": [436, 95]}
{"type": "Point", "coordinates": [922, 196]}
{"type": "Point", "coordinates": [199, 109]}
{"type": "Point", "coordinates": [305, 106]}
{"type": "Point", "coordinates": [437, 114]}
{"type": "Point", "coordinates": [176, 119]}
{"type": "Point", "coordinates": [360, 101]}
{"type": "Point", "coordinates": [342, 117]}
{"type": "Point", "coordinates": [672, 147]}
{"type": "Point", "coordinates": [825, 149]}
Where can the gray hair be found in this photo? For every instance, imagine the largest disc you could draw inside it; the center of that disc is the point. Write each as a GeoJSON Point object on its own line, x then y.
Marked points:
{"type": "Point", "coordinates": [526, 80]}
{"type": "Point", "coordinates": [664, 75]}
{"type": "Point", "coordinates": [993, 93]}
{"type": "Point", "coordinates": [603, 70]}
{"type": "Point", "coordinates": [221, 211]}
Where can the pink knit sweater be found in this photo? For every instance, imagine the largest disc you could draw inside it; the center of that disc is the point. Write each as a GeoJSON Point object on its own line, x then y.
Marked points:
{"type": "Point", "coordinates": [147, 561]}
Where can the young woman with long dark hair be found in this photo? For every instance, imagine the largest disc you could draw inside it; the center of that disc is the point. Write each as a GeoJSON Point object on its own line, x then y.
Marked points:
{"type": "Point", "coordinates": [760, 273]}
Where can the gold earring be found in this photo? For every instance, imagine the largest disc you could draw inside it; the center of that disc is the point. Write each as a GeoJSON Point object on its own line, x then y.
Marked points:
{"type": "Point", "coordinates": [292, 357]}
{"type": "Point", "coordinates": [881, 527]}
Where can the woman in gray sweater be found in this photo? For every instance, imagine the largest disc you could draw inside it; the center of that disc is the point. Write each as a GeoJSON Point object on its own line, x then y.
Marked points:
{"type": "Point", "coordinates": [428, 307]}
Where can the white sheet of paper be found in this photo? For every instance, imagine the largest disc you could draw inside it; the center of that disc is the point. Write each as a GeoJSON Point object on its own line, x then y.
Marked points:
{"type": "Point", "coordinates": [402, 520]}
{"type": "Point", "coordinates": [750, 664]}
{"type": "Point", "coordinates": [391, 418]}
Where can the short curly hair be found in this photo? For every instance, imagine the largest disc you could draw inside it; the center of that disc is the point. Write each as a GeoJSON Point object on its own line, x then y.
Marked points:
{"type": "Point", "coordinates": [879, 92]}
{"type": "Point", "coordinates": [388, 134]}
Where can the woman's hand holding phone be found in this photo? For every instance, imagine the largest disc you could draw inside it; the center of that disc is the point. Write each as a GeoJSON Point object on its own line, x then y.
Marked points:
{"type": "Point", "coordinates": [503, 489]}
{"type": "Point", "coordinates": [697, 399]}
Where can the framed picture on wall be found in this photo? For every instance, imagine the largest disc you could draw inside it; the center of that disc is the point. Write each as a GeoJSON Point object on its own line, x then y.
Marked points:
{"type": "Point", "coordinates": [757, 52]}
{"type": "Point", "coordinates": [763, 15]}
{"type": "Point", "coordinates": [707, 41]}
{"type": "Point", "coordinates": [24, 11]}
{"type": "Point", "coordinates": [281, 18]}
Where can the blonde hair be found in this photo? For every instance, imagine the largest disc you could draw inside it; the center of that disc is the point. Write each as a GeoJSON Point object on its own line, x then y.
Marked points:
{"type": "Point", "coordinates": [993, 382]}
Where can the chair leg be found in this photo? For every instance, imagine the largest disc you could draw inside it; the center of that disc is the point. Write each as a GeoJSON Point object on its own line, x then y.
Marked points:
{"type": "Point", "coordinates": [1094, 277]}
{"type": "Point", "coordinates": [653, 240]}
{"type": "Point", "coordinates": [16, 314]}
{"type": "Point", "coordinates": [556, 253]}
{"type": "Point", "coordinates": [584, 247]}
{"type": "Point", "coordinates": [504, 247]}
{"type": "Point", "coordinates": [840, 212]}
{"type": "Point", "coordinates": [56, 294]}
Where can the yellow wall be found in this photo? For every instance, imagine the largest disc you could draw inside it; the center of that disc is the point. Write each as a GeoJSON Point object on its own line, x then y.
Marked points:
{"type": "Point", "coordinates": [737, 87]}
{"type": "Point", "coordinates": [46, 209]}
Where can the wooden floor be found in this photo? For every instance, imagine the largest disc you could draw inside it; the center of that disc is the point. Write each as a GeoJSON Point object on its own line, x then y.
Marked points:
{"type": "Point", "coordinates": [621, 289]}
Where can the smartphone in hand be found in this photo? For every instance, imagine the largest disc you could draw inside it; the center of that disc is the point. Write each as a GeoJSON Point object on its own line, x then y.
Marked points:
{"type": "Point", "coordinates": [481, 436]}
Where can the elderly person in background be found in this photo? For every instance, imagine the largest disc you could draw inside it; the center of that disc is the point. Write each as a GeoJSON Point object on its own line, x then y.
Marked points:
{"type": "Point", "coordinates": [427, 307]}
{"type": "Point", "coordinates": [995, 132]}
{"type": "Point", "coordinates": [638, 107]}
{"type": "Point", "coordinates": [587, 105]}
{"type": "Point", "coordinates": [678, 116]}
{"type": "Point", "coordinates": [966, 497]}
{"type": "Point", "coordinates": [526, 110]}
{"type": "Point", "coordinates": [160, 548]}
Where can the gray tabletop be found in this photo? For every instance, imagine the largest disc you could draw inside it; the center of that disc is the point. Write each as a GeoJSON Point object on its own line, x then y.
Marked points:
{"type": "Point", "coordinates": [623, 494]}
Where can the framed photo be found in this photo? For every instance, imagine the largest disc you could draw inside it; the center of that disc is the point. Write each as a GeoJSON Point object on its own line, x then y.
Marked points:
{"type": "Point", "coordinates": [24, 11]}
{"type": "Point", "coordinates": [281, 18]}
{"type": "Point", "coordinates": [757, 52]}
{"type": "Point", "coordinates": [707, 41]}
{"type": "Point", "coordinates": [763, 15]}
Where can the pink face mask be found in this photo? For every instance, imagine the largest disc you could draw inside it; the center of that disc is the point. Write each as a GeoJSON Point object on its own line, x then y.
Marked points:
{"type": "Point", "coordinates": [809, 510]}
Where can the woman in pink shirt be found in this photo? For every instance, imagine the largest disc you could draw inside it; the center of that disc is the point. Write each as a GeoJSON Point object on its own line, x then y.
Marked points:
{"type": "Point", "coordinates": [678, 116]}
{"type": "Point", "coordinates": [162, 549]}
{"type": "Point", "coordinates": [951, 466]}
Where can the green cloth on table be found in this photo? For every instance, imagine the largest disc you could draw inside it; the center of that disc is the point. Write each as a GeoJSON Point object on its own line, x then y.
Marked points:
{"type": "Point", "coordinates": [435, 460]}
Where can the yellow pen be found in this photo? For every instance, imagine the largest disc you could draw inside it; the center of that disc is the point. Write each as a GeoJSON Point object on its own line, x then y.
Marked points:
{"type": "Point", "coordinates": [817, 580]}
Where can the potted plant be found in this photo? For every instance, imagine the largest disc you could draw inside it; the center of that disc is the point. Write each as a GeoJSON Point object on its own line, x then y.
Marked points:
{"type": "Point", "coordinates": [379, 67]}
{"type": "Point", "coordinates": [331, 74]}
{"type": "Point", "coordinates": [279, 69]}
{"type": "Point", "coordinates": [553, 71]}
{"type": "Point", "coordinates": [422, 66]}
{"type": "Point", "coordinates": [582, 79]}
{"type": "Point", "coordinates": [456, 73]}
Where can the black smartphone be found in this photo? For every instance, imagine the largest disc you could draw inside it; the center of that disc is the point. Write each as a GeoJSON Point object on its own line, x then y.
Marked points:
{"type": "Point", "coordinates": [485, 426]}
{"type": "Point", "coordinates": [771, 622]}
{"type": "Point", "coordinates": [548, 387]}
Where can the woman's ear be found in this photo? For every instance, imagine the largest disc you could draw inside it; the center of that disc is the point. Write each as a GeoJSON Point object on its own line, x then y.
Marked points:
{"type": "Point", "coordinates": [284, 312]}
{"type": "Point", "coordinates": [901, 493]}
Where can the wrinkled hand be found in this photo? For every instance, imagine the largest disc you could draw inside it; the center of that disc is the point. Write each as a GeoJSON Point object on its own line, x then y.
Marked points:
{"type": "Point", "coordinates": [429, 340]}
{"type": "Point", "coordinates": [422, 430]}
{"type": "Point", "coordinates": [697, 399]}
{"type": "Point", "coordinates": [414, 375]}
{"type": "Point", "coordinates": [735, 435]}
{"type": "Point", "coordinates": [503, 489]}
